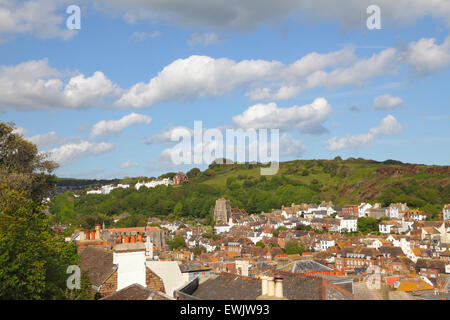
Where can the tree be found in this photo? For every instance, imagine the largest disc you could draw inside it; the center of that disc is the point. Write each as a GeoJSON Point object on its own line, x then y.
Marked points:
{"type": "Point", "coordinates": [367, 225]}
{"type": "Point", "coordinates": [33, 259]}
{"type": "Point", "coordinates": [293, 247]}
{"type": "Point", "coordinates": [193, 172]}
{"type": "Point", "coordinates": [22, 167]}
{"type": "Point", "coordinates": [177, 242]}
{"type": "Point", "coordinates": [260, 244]}
{"type": "Point", "coordinates": [198, 250]}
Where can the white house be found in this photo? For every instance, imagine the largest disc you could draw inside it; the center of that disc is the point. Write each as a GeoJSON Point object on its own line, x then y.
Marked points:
{"type": "Point", "coordinates": [349, 223]}
{"type": "Point", "coordinates": [94, 192]}
{"type": "Point", "coordinates": [446, 212]}
{"type": "Point", "coordinates": [362, 209]}
{"type": "Point", "coordinates": [221, 228]}
{"type": "Point", "coordinates": [325, 244]}
{"type": "Point", "coordinates": [386, 226]}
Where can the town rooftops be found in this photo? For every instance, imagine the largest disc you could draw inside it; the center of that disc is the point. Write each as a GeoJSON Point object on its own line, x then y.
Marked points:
{"type": "Point", "coordinates": [137, 292]}
{"type": "Point", "coordinates": [226, 286]}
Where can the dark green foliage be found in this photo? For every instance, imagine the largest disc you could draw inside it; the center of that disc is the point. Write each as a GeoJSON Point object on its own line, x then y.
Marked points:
{"type": "Point", "coordinates": [177, 242]}
{"type": "Point", "coordinates": [293, 247]}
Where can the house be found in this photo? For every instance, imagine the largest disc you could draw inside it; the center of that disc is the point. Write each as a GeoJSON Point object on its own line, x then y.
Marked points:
{"type": "Point", "coordinates": [397, 210]}
{"type": "Point", "coordinates": [362, 208]}
{"type": "Point", "coordinates": [193, 270]}
{"type": "Point", "coordinates": [110, 271]}
{"type": "Point", "coordinates": [326, 243]}
{"type": "Point", "coordinates": [179, 178]}
{"type": "Point", "coordinates": [137, 292]}
{"type": "Point", "coordinates": [446, 212]}
{"type": "Point", "coordinates": [430, 268]}
{"type": "Point", "coordinates": [349, 211]}
{"type": "Point", "coordinates": [388, 227]}
{"type": "Point", "coordinates": [288, 286]}
{"type": "Point", "coordinates": [376, 213]}
{"type": "Point", "coordinates": [348, 224]}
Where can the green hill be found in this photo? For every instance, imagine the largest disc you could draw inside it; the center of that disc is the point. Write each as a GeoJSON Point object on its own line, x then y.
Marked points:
{"type": "Point", "coordinates": [348, 181]}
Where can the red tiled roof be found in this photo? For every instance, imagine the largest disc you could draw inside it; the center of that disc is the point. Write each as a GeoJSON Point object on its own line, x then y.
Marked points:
{"type": "Point", "coordinates": [133, 229]}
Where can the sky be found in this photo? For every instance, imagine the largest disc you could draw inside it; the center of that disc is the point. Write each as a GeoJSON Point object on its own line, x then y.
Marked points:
{"type": "Point", "coordinates": [104, 99]}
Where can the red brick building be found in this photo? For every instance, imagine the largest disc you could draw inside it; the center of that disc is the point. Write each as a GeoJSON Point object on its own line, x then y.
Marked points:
{"type": "Point", "coordinates": [179, 178]}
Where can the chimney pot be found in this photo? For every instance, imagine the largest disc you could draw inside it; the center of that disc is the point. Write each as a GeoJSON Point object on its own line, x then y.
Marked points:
{"type": "Point", "coordinates": [264, 285]}
{"type": "Point", "coordinates": [271, 287]}
{"type": "Point", "coordinates": [279, 286]}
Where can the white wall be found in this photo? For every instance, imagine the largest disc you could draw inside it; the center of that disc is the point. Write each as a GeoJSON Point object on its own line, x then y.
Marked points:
{"type": "Point", "coordinates": [170, 274]}
{"type": "Point", "coordinates": [131, 268]}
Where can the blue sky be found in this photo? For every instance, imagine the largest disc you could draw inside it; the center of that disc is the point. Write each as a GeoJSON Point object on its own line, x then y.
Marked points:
{"type": "Point", "coordinates": [85, 95]}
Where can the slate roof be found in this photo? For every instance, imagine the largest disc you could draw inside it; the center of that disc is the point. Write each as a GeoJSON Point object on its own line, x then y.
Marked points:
{"type": "Point", "coordinates": [232, 287]}
{"type": "Point", "coordinates": [303, 266]}
{"type": "Point", "coordinates": [136, 292]}
{"type": "Point", "coordinates": [97, 263]}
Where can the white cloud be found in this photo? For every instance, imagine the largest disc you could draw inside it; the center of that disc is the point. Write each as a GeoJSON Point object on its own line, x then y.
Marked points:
{"type": "Point", "coordinates": [197, 76]}
{"type": "Point", "coordinates": [165, 136]}
{"type": "Point", "coordinates": [71, 152]}
{"type": "Point", "coordinates": [128, 164]}
{"type": "Point", "coordinates": [387, 102]}
{"type": "Point", "coordinates": [47, 139]}
{"type": "Point", "coordinates": [115, 126]}
{"type": "Point", "coordinates": [40, 18]}
{"type": "Point", "coordinates": [426, 57]}
{"type": "Point", "coordinates": [388, 126]}
{"type": "Point", "coordinates": [141, 36]}
{"type": "Point", "coordinates": [204, 39]}
{"type": "Point", "coordinates": [35, 85]}
{"type": "Point", "coordinates": [306, 119]}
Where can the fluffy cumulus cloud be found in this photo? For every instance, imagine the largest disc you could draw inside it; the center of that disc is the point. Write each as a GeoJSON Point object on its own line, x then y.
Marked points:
{"type": "Point", "coordinates": [245, 15]}
{"type": "Point", "coordinates": [426, 57]}
{"type": "Point", "coordinates": [306, 119]}
{"type": "Point", "coordinates": [71, 152]}
{"type": "Point", "coordinates": [387, 102]}
{"type": "Point", "coordinates": [41, 18]}
{"type": "Point", "coordinates": [197, 76]}
{"type": "Point", "coordinates": [388, 126]}
{"type": "Point", "coordinates": [128, 164]}
{"type": "Point", "coordinates": [35, 85]}
{"type": "Point", "coordinates": [105, 127]}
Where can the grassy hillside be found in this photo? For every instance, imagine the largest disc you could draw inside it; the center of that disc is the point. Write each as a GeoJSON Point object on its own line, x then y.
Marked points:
{"type": "Point", "coordinates": [348, 181]}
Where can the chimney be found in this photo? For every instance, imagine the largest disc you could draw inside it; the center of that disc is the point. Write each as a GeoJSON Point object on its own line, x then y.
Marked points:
{"type": "Point", "coordinates": [97, 232]}
{"type": "Point", "coordinates": [149, 248]}
{"type": "Point", "coordinates": [264, 285]}
{"type": "Point", "coordinates": [270, 287]}
{"type": "Point", "coordinates": [279, 286]}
